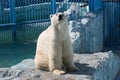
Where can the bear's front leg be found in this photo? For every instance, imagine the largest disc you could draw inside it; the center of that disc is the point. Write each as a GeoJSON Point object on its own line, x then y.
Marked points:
{"type": "Point", "coordinates": [55, 58]}
{"type": "Point", "coordinates": [68, 58]}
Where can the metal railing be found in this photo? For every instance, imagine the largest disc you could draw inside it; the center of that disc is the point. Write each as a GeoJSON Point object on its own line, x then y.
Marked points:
{"type": "Point", "coordinates": [17, 14]}
{"type": "Point", "coordinates": [16, 11]}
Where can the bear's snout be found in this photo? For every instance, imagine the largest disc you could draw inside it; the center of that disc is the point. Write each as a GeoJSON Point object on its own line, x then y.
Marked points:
{"type": "Point", "coordinates": [60, 16]}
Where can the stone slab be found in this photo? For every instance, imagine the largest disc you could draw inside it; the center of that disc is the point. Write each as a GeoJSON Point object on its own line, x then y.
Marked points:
{"type": "Point", "coordinates": [97, 66]}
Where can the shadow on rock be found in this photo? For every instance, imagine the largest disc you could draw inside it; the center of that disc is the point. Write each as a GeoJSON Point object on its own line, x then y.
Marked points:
{"type": "Point", "coordinates": [84, 69]}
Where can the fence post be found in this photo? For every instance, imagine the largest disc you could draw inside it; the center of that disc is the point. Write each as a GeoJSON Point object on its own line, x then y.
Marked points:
{"type": "Point", "coordinates": [91, 5]}
{"type": "Point", "coordinates": [13, 18]}
{"type": "Point", "coordinates": [53, 6]}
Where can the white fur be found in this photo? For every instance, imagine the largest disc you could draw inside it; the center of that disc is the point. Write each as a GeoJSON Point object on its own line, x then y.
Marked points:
{"type": "Point", "coordinates": [54, 49]}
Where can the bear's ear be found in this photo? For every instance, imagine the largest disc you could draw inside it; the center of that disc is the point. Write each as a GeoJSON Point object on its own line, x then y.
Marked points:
{"type": "Point", "coordinates": [66, 14]}
{"type": "Point", "coordinates": [51, 15]}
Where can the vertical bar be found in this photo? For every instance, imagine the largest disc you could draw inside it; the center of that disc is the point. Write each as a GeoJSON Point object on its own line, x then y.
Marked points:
{"type": "Point", "coordinates": [1, 8]}
{"type": "Point", "coordinates": [118, 7]}
{"type": "Point", "coordinates": [95, 5]}
{"type": "Point", "coordinates": [45, 10]}
{"type": "Point", "coordinates": [26, 14]}
{"type": "Point", "coordinates": [104, 22]}
{"type": "Point", "coordinates": [7, 21]}
{"type": "Point", "coordinates": [20, 8]}
{"type": "Point", "coordinates": [28, 9]}
{"type": "Point", "coordinates": [12, 11]}
{"type": "Point", "coordinates": [12, 18]}
{"type": "Point", "coordinates": [53, 6]}
{"type": "Point", "coordinates": [37, 12]}
{"type": "Point", "coordinates": [35, 9]}
{"type": "Point", "coordinates": [41, 14]}
{"type": "Point", "coordinates": [91, 5]}
{"type": "Point", "coordinates": [32, 10]}
{"type": "Point", "coordinates": [4, 14]}
{"type": "Point", "coordinates": [5, 7]}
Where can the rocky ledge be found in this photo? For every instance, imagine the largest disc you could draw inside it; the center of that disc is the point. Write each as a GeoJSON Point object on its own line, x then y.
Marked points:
{"type": "Point", "coordinates": [97, 66]}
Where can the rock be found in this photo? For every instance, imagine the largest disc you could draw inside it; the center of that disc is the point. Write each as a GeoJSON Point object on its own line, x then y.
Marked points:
{"type": "Point", "coordinates": [27, 64]}
{"type": "Point", "coordinates": [73, 12]}
{"type": "Point", "coordinates": [84, 21]}
{"type": "Point", "coordinates": [91, 15]}
{"type": "Point", "coordinates": [97, 66]}
{"type": "Point", "coordinates": [3, 72]}
{"type": "Point", "coordinates": [87, 33]}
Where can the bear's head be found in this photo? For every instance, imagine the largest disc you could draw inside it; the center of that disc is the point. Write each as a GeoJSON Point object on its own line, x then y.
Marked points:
{"type": "Point", "coordinates": [59, 19]}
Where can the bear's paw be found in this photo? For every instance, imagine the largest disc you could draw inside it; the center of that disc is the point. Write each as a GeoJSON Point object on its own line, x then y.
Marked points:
{"type": "Point", "coordinates": [59, 72]}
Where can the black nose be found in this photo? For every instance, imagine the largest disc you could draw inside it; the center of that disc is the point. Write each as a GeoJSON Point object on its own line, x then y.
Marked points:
{"type": "Point", "coordinates": [60, 17]}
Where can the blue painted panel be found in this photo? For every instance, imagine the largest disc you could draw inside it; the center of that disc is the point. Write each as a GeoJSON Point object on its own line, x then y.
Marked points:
{"type": "Point", "coordinates": [95, 5]}
{"type": "Point", "coordinates": [112, 23]}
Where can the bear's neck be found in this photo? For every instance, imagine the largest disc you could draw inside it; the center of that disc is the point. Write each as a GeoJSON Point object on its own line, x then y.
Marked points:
{"type": "Point", "coordinates": [61, 30]}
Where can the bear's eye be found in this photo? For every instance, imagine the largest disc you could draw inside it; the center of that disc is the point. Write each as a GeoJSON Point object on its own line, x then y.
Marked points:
{"type": "Point", "coordinates": [56, 14]}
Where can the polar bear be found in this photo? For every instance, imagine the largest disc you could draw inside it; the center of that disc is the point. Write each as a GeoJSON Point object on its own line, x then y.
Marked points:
{"type": "Point", "coordinates": [54, 49]}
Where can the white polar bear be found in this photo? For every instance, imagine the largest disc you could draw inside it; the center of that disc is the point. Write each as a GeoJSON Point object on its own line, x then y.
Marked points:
{"type": "Point", "coordinates": [54, 49]}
